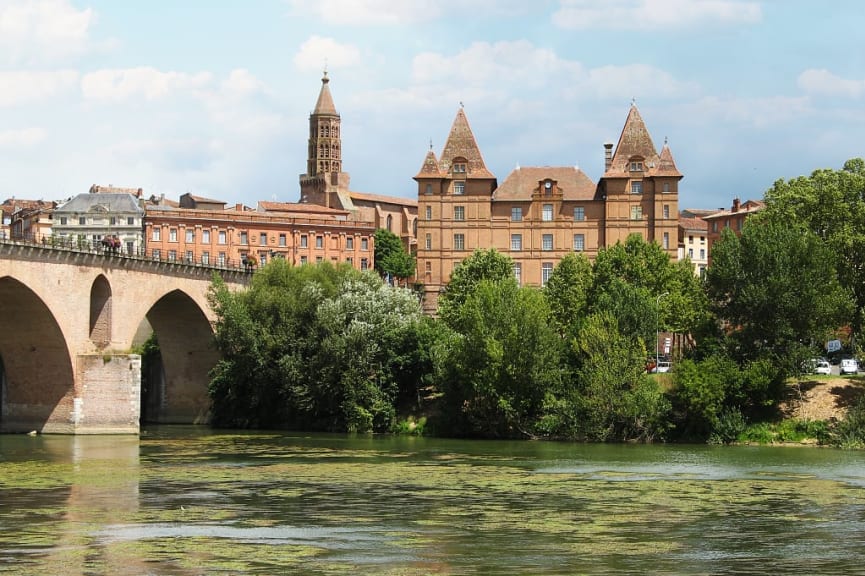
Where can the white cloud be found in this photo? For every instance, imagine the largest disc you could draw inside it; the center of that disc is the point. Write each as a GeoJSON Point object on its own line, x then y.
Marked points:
{"type": "Point", "coordinates": [22, 86]}
{"type": "Point", "coordinates": [653, 14]}
{"type": "Point", "coordinates": [756, 112]}
{"type": "Point", "coordinates": [143, 82]}
{"type": "Point", "coordinates": [242, 83]}
{"type": "Point", "coordinates": [318, 52]}
{"type": "Point", "coordinates": [402, 12]}
{"type": "Point", "coordinates": [826, 83]}
{"type": "Point", "coordinates": [25, 137]}
{"type": "Point", "coordinates": [43, 30]}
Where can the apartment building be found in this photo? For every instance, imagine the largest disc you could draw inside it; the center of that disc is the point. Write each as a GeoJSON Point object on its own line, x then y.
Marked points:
{"type": "Point", "coordinates": [734, 219]}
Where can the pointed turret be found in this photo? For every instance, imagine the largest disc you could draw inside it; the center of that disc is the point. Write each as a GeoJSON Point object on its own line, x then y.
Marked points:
{"type": "Point", "coordinates": [666, 164]}
{"type": "Point", "coordinates": [461, 143]}
{"type": "Point", "coordinates": [633, 142]}
{"type": "Point", "coordinates": [325, 101]}
{"type": "Point", "coordinates": [430, 166]}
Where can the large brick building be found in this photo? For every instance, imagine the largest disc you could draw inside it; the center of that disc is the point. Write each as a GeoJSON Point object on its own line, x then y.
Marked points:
{"type": "Point", "coordinates": [540, 213]}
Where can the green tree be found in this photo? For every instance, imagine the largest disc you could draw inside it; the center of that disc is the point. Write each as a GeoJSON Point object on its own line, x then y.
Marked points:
{"type": "Point", "coordinates": [391, 257]}
{"type": "Point", "coordinates": [567, 291]}
{"type": "Point", "coordinates": [777, 289]}
{"type": "Point", "coordinates": [481, 265]}
{"type": "Point", "coordinates": [501, 363]}
{"type": "Point", "coordinates": [831, 203]}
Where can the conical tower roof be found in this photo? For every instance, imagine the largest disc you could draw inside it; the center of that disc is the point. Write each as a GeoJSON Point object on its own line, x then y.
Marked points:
{"type": "Point", "coordinates": [666, 164]}
{"type": "Point", "coordinates": [325, 100]}
{"type": "Point", "coordinates": [461, 143]}
{"type": "Point", "coordinates": [430, 166]}
{"type": "Point", "coordinates": [634, 141]}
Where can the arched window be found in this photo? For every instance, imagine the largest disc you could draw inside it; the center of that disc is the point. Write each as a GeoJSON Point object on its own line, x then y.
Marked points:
{"type": "Point", "coordinates": [390, 223]}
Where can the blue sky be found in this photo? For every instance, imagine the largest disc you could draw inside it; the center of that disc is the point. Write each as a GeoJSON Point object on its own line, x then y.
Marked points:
{"type": "Point", "coordinates": [213, 97]}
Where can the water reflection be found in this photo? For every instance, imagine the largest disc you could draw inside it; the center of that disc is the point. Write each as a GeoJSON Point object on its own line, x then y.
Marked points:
{"type": "Point", "coordinates": [195, 501]}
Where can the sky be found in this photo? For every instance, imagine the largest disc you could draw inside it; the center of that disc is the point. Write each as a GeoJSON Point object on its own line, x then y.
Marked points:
{"type": "Point", "coordinates": [212, 97]}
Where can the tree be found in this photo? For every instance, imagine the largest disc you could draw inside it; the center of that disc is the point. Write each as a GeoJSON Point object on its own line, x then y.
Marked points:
{"type": "Point", "coordinates": [777, 289]}
{"type": "Point", "coordinates": [567, 291]}
{"type": "Point", "coordinates": [502, 362]}
{"type": "Point", "coordinates": [391, 257]}
{"type": "Point", "coordinates": [831, 203]}
{"type": "Point", "coordinates": [481, 265]}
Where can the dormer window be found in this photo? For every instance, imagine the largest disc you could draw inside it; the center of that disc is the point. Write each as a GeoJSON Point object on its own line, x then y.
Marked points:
{"type": "Point", "coordinates": [636, 165]}
{"type": "Point", "coordinates": [459, 167]}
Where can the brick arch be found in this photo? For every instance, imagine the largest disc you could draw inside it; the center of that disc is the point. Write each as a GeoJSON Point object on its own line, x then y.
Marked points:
{"type": "Point", "coordinates": [38, 383]}
{"type": "Point", "coordinates": [185, 337]}
{"type": "Point", "coordinates": [100, 312]}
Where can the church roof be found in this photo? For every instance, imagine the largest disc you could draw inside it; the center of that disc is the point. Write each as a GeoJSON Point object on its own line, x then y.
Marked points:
{"type": "Point", "coordinates": [524, 181]}
{"type": "Point", "coordinates": [324, 105]}
{"type": "Point", "coordinates": [382, 199]}
{"type": "Point", "coordinates": [461, 143]}
{"type": "Point", "coordinates": [635, 141]}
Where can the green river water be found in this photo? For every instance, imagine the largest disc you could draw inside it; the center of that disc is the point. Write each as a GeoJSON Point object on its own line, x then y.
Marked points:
{"type": "Point", "coordinates": [193, 501]}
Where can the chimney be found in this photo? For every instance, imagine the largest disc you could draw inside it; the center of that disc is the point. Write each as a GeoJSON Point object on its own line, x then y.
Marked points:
{"type": "Point", "coordinates": [238, 207]}
{"type": "Point", "coordinates": [608, 155]}
{"type": "Point", "coordinates": [735, 205]}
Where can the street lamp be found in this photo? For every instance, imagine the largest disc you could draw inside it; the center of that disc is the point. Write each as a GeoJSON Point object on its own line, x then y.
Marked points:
{"type": "Point", "coordinates": [657, 326]}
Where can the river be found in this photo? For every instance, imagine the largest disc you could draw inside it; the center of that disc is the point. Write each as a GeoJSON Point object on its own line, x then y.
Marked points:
{"type": "Point", "coordinates": [194, 501]}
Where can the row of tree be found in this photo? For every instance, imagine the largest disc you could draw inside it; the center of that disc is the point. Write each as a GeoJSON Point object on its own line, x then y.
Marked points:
{"type": "Point", "coordinates": [330, 348]}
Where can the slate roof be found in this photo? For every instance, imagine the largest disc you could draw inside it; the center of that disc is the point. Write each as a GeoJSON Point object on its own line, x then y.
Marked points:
{"type": "Point", "coordinates": [524, 181]}
{"type": "Point", "coordinates": [106, 202]}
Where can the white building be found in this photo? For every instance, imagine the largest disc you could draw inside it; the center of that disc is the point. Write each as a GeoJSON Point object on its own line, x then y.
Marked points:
{"type": "Point", "coordinates": [104, 212]}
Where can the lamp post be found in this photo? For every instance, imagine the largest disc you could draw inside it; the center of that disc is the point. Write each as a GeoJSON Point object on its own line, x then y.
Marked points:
{"type": "Point", "coordinates": [657, 326]}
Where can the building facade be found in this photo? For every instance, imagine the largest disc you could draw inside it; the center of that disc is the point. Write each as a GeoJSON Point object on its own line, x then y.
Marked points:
{"type": "Point", "coordinates": [540, 214]}
{"type": "Point", "coordinates": [325, 183]}
{"type": "Point", "coordinates": [103, 212]}
{"type": "Point", "coordinates": [693, 242]}
{"type": "Point", "coordinates": [734, 219]}
{"type": "Point", "coordinates": [231, 238]}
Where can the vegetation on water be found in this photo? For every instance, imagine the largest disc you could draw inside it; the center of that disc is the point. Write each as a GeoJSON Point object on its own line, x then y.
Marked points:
{"type": "Point", "coordinates": [324, 347]}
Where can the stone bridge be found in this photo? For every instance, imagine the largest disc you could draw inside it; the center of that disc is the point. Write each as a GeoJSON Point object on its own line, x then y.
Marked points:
{"type": "Point", "coordinates": [70, 322]}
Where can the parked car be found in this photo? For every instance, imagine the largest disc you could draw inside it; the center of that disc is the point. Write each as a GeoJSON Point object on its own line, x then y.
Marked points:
{"type": "Point", "coordinates": [822, 367]}
{"type": "Point", "coordinates": [848, 366]}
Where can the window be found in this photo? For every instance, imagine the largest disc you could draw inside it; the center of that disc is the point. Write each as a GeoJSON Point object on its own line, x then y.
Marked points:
{"type": "Point", "coordinates": [547, 213]}
{"type": "Point", "coordinates": [172, 255]}
{"type": "Point", "coordinates": [666, 240]}
{"type": "Point", "coordinates": [546, 272]}
{"type": "Point", "coordinates": [459, 188]}
{"type": "Point", "coordinates": [428, 267]}
{"type": "Point", "coordinates": [691, 253]}
{"type": "Point", "coordinates": [172, 234]}
{"type": "Point", "coordinates": [130, 221]}
{"type": "Point", "coordinates": [715, 226]}
{"type": "Point", "coordinates": [637, 187]}
{"type": "Point", "coordinates": [157, 234]}
{"type": "Point", "coordinates": [666, 211]}
{"type": "Point", "coordinates": [364, 263]}
{"type": "Point", "coordinates": [262, 239]}
{"type": "Point", "coordinates": [702, 253]}
{"type": "Point", "coordinates": [429, 212]}
{"type": "Point", "coordinates": [739, 224]}
{"type": "Point", "coordinates": [157, 254]}
{"type": "Point", "coordinates": [547, 242]}
{"type": "Point", "coordinates": [282, 240]}
{"type": "Point", "coordinates": [516, 242]}
{"type": "Point", "coordinates": [459, 168]}
{"type": "Point", "coordinates": [364, 243]}
{"type": "Point", "coordinates": [666, 187]}
{"type": "Point", "coordinates": [205, 236]}
{"type": "Point", "coordinates": [112, 221]}
{"type": "Point", "coordinates": [636, 166]}
{"type": "Point", "coordinates": [319, 241]}
{"type": "Point", "coordinates": [636, 212]}
{"type": "Point", "coordinates": [205, 258]}
{"type": "Point", "coordinates": [303, 241]}
{"type": "Point", "coordinates": [579, 213]}
{"type": "Point", "coordinates": [702, 239]}
{"type": "Point", "coordinates": [428, 189]}
{"type": "Point", "coordinates": [389, 223]}
{"type": "Point", "coordinates": [189, 257]}
{"type": "Point", "coordinates": [190, 236]}
{"type": "Point", "coordinates": [319, 259]}
{"type": "Point", "coordinates": [303, 259]}
{"type": "Point", "coordinates": [459, 242]}
{"type": "Point", "coordinates": [244, 238]}
{"type": "Point", "coordinates": [82, 220]}
{"type": "Point", "coordinates": [459, 212]}
{"type": "Point", "coordinates": [516, 213]}
{"type": "Point", "coordinates": [349, 260]}
{"type": "Point", "coordinates": [690, 239]}
{"type": "Point", "coordinates": [63, 220]}
{"type": "Point", "coordinates": [428, 243]}
{"type": "Point", "coordinates": [579, 242]}
{"type": "Point", "coordinates": [222, 238]}
{"type": "Point", "coordinates": [518, 273]}
{"type": "Point", "coordinates": [349, 242]}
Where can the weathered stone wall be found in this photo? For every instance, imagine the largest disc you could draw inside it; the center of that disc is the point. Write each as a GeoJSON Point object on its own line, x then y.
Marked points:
{"type": "Point", "coordinates": [110, 397]}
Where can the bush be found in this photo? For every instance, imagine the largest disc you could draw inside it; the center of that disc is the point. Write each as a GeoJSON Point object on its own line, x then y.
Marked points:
{"type": "Point", "coordinates": [728, 427]}
{"type": "Point", "coordinates": [850, 432]}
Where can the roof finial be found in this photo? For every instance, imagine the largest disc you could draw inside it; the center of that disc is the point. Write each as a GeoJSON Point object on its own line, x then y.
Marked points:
{"type": "Point", "coordinates": [461, 104]}
{"type": "Point", "coordinates": [633, 101]}
{"type": "Point", "coordinates": [430, 144]}
{"type": "Point", "coordinates": [325, 79]}
{"type": "Point", "coordinates": [665, 140]}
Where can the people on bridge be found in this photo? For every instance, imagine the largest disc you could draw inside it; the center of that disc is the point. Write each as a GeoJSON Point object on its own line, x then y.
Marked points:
{"type": "Point", "coordinates": [250, 261]}
{"type": "Point", "coordinates": [111, 244]}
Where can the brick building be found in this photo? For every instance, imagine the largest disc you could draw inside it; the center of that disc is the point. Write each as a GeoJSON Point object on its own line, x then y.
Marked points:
{"type": "Point", "coordinates": [540, 213]}
{"type": "Point", "coordinates": [734, 219]}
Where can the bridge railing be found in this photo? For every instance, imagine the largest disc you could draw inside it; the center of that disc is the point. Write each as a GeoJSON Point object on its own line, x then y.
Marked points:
{"type": "Point", "coordinates": [84, 245]}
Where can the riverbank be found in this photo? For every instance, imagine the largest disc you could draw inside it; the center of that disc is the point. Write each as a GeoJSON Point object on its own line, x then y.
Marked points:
{"type": "Point", "coordinates": [822, 398]}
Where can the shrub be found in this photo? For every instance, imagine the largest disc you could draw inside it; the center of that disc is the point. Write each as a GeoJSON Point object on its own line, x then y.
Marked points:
{"type": "Point", "coordinates": [729, 425]}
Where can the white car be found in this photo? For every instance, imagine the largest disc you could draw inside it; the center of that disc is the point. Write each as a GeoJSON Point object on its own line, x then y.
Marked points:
{"type": "Point", "coordinates": [848, 366]}
{"type": "Point", "coordinates": [822, 367]}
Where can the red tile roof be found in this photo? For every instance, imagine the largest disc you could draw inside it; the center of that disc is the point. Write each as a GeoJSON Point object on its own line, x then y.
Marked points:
{"type": "Point", "coordinates": [382, 199]}
{"type": "Point", "coordinates": [265, 206]}
{"type": "Point", "coordinates": [524, 181]}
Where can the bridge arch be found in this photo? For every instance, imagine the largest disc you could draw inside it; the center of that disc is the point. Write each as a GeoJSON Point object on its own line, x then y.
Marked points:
{"type": "Point", "coordinates": [100, 312]}
{"type": "Point", "coordinates": [38, 382]}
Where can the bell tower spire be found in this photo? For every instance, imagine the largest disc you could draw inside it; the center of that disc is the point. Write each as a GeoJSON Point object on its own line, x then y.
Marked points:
{"type": "Point", "coordinates": [325, 145]}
